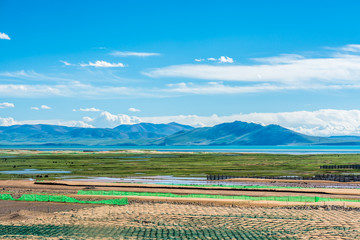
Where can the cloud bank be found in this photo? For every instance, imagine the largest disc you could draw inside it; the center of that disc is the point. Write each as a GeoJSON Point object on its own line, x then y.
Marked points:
{"type": "Point", "coordinates": [329, 70]}
{"type": "Point", "coordinates": [339, 69]}
{"type": "Point", "coordinates": [325, 122]}
{"type": "Point", "coordinates": [108, 120]}
{"type": "Point", "coordinates": [7, 121]}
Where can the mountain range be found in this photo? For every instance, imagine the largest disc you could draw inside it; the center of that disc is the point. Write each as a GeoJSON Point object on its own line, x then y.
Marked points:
{"type": "Point", "coordinates": [235, 133]}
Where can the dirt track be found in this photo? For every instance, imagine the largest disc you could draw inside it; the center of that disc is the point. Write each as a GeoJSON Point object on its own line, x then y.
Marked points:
{"type": "Point", "coordinates": [10, 207]}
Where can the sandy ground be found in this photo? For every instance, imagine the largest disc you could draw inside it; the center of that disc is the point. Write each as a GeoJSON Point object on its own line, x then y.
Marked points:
{"type": "Point", "coordinates": [184, 221]}
{"type": "Point", "coordinates": [175, 218]}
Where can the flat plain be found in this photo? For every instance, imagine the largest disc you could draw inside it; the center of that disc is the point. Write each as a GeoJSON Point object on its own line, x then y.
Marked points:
{"type": "Point", "coordinates": [156, 217]}
{"type": "Point", "coordinates": [148, 163]}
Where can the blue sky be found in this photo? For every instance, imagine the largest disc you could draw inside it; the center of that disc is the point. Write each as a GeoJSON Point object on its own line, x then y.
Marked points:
{"type": "Point", "coordinates": [104, 63]}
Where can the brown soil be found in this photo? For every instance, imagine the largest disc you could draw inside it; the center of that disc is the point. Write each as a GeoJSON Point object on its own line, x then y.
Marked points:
{"type": "Point", "coordinates": [10, 207]}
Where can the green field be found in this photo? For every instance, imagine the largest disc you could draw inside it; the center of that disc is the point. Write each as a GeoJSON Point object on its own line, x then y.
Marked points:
{"type": "Point", "coordinates": [196, 164]}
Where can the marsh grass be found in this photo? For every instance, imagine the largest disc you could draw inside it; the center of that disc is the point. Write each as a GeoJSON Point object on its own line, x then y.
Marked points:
{"type": "Point", "coordinates": [196, 164]}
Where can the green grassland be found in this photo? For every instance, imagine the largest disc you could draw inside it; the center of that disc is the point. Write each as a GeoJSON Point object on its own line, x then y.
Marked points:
{"type": "Point", "coordinates": [196, 164]}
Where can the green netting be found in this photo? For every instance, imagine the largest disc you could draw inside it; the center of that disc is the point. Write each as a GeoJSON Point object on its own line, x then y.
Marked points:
{"type": "Point", "coordinates": [243, 197]}
{"type": "Point", "coordinates": [66, 199]}
{"type": "Point", "coordinates": [6, 197]}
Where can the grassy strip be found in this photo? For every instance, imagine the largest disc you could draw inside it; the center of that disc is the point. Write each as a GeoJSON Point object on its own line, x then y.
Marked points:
{"type": "Point", "coordinates": [273, 198]}
{"type": "Point", "coordinates": [175, 164]}
{"type": "Point", "coordinates": [61, 198]}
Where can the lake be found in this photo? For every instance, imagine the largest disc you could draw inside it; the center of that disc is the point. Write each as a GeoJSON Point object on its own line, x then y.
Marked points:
{"type": "Point", "coordinates": [246, 149]}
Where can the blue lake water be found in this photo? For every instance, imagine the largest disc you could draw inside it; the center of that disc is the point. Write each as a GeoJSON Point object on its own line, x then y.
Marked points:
{"type": "Point", "coordinates": [248, 149]}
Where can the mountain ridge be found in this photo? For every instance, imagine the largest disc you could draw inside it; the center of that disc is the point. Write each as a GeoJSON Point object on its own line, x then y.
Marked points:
{"type": "Point", "coordinates": [170, 134]}
{"type": "Point", "coordinates": [53, 133]}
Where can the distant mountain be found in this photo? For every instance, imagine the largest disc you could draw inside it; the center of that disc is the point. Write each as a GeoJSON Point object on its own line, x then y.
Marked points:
{"type": "Point", "coordinates": [150, 130]}
{"type": "Point", "coordinates": [239, 133]}
{"type": "Point", "coordinates": [30, 134]}
{"type": "Point", "coordinates": [20, 133]}
{"type": "Point", "coordinates": [235, 133]}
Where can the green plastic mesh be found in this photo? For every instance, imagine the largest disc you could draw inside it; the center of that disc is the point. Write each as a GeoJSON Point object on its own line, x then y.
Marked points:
{"type": "Point", "coordinates": [6, 197]}
{"type": "Point", "coordinates": [252, 198]}
{"type": "Point", "coordinates": [61, 198]}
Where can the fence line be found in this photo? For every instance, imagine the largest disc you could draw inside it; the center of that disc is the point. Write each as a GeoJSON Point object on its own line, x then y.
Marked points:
{"type": "Point", "coordinates": [327, 177]}
{"type": "Point", "coordinates": [243, 197]}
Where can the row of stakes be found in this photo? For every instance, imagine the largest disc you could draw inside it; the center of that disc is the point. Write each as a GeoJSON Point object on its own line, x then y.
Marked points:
{"type": "Point", "coordinates": [328, 177]}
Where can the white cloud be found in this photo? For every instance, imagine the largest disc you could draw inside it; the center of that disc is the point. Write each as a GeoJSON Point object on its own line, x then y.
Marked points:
{"type": "Point", "coordinates": [66, 63]}
{"type": "Point", "coordinates": [4, 36]}
{"type": "Point", "coordinates": [220, 88]}
{"type": "Point", "coordinates": [87, 110]}
{"type": "Point", "coordinates": [70, 89]}
{"type": "Point", "coordinates": [57, 122]}
{"type": "Point", "coordinates": [30, 75]}
{"type": "Point", "coordinates": [293, 70]}
{"type": "Point", "coordinates": [133, 110]}
{"type": "Point", "coordinates": [283, 58]}
{"type": "Point", "coordinates": [41, 107]}
{"type": "Point", "coordinates": [351, 48]}
{"type": "Point", "coordinates": [6, 105]}
{"type": "Point", "coordinates": [78, 124]}
{"type": "Point", "coordinates": [133, 54]}
{"type": "Point", "coordinates": [7, 121]}
{"type": "Point", "coordinates": [325, 122]}
{"type": "Point", "coordinates": [108, 120]}
{"type": "Point", "coordinates": [223, 59]}
{"type": "Point", "coordinates": [45, 107]}
{"type": "Point", "coordinates": [88, 119]}
{"type": "Point", "coordinates": [103, 64]}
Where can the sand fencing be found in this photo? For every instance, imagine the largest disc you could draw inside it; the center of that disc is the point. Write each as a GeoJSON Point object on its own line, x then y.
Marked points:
{"type": "Point", "coordinates": [61, 199]}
